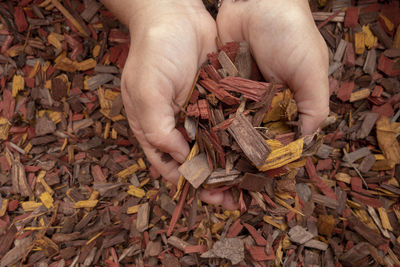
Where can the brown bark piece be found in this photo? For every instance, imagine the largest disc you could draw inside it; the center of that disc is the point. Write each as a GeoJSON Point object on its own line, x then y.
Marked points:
{"type": "Point", "coordinates": [167, 204]}
{"type": "Point", "coordinates": [58, 89]}
{"type": "Point", "coordinates": [116, 106]}
{"type": "Point", "coordinates": [367, 125]}
{"type": "Point", "coordinates": [221, 176]}
{"type": "Point", "coordinates": [91, 8]}
{"type": "Point", "coordinates": [142, 222]}
{"type": "Point", "coordinates": [98, 80]}
{"type": "Point", "coordinates": [243, 60]}
{"type": "Point", "coordinates": [170, 261]}
{"type": "Point", "coordinates": [355, 254]}
{"type": "Point", "coordinates": [227, 64]}
{"type": "Point", "coordinates": [18, 178]}
{"type": "Point", "coordinates": [177, 243]}
{"type": "Point", "coordinates": [367, 163]}
{"type": "Point", "coordinates": [325, 201]}
{"type": "Point", "coordinates": [340, 51]}
{"type": "Point", "coordinates": [316, 244]}
{"type": "Point", "coordinates": [381, 34]}
{"type": "Point", "coordinates": [299, 234]}
{"type": "Point", "coordinates": [249, 140]}
{"type": "Point", "coordinates": [366, 232]}
{"type": "Point", "coordinates": [387, 140]}
{"type": "Point", "coordinates": [196, 170]}
{"type": "Point", "coordinates": [326, 223]}
{"type": "Point", "coordinates": [253, 182]}
{"type": "Point", "coordinates": [15, 254]}
{"type": "Point", "coordinates": [227, 248]}
{"type": "Point", "coordinates": [44, 126]}
{"type": "Point", "coordinates": [356, 155]}
{"type": "Point", "coordinates": [370, 62]}
{"type": "Point", "coordinates": [392, 53]}
{"type": "Point", "coordinates": [324, 151]}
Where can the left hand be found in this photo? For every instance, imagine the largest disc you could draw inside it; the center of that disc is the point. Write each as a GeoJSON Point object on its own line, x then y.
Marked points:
{"type": "Point", "coordinates": [287, 47]}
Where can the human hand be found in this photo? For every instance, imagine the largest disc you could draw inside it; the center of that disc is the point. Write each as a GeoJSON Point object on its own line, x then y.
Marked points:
{"type": "Point", "coordinates": [169, 42]}
{"type": "Point", "coordinates": [287, 47]}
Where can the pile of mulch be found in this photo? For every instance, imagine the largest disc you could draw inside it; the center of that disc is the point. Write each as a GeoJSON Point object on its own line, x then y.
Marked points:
{"type": "Point", "coordinates": [76, 188]}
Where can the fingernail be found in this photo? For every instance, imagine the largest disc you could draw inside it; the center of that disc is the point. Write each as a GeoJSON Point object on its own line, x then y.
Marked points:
{"type": "Point", "coordinates": [178, 157]}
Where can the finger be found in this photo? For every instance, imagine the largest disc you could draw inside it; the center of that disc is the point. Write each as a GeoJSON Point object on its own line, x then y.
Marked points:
{"type": "Point", "coordinates": [225, 199]}
{"type": "Point", "coordinates": [167, 168]}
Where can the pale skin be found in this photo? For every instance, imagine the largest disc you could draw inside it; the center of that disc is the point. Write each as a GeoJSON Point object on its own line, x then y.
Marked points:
{"type": "Point", "coordinates": [170, 39]}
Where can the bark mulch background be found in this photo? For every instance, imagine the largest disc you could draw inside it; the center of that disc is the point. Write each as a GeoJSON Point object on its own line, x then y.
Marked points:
{"type": "Point", "coordinates": [77, 190]}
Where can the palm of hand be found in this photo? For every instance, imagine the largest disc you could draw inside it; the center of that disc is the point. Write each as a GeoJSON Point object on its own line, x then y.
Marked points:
{"type": "Point", "coordinates": [287, 47]}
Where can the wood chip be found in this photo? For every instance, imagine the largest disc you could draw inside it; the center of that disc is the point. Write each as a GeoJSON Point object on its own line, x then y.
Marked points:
{"type": "Point", "coordinates": [196, 170]}
{"type": "Point", "coordinates": [249, 140]}
{"type": "Point", "coordinates": [227, 64]}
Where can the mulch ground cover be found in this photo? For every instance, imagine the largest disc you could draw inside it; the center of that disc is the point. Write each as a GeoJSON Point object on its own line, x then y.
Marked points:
{"type": "Point", "coordinates": [77, 190]}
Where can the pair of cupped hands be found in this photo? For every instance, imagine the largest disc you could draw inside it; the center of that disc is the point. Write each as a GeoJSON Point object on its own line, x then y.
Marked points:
{"type": "Point", "coordinates": [170, 40]}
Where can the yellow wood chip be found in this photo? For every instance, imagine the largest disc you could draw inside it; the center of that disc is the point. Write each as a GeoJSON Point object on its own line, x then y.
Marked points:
{"type": "Point", "coordinates": [60, 57]}
{"type": "Point", "coordinates": [40, 179]}
{"type": "Point", "coordinates": [132, 209]}
{"type": "Point", "coordinates": [3, 208]}
{"type": "Point", "coordinates": [94, 195]}
{"type": "Point", "coordinates": [270, 220]}
{"type": "Point", "coordinates": [286, 205]}
{"type": "Point", "coordinates": [275, 113]}
{"type": "Point", "coordinates": [4, 129]}
{"type": "Point", "coordinates": [360, 94]}
{"type": "Point", "coordinates": [136, 192]}
{"type": "Point", "coordinates": [379, 157]}
{"type": "Point", "coordinates": [274, 144]}
{"type": "Point", "coordinates": [216, 227]}
{"type": "Point", "coordinates": [297, 164]}
{"type": "Point", "coordinates": [359, 42]}
{"type": "Point", "coordinates": [151, 193]}
{"type": "Point", "coordinates": [234, 214]}
{"type": "Point", "coordinates": [284, 155]}
{"type": "Point", "coordinates": [370, 39]}
{"type": "Point", "coordinates": [55, 40]}
{"type": "Point", "coordinates": [107, 130]}
{"type": "Point", "coordinates": [65, 143]}
{"type": "Point", "coordinates": [142, 165]}
{"type": "Point", "coordinates": [85, 204]}
{"type": "Point", "coordinates": [128, 171]}
{"type": "Point", "coordinates": [114, 134]}
{"type": "Point", "coordinates": [86, 64]}
{"type": "Point", "coordinates": [382, 165]}
{"type": "Point", "coordinates": [47, 200]}
{"type": "Point", "coordinates": [30, 205]}
{"type": "Point", "coordinates": [343, 177]}
{"type": "Point", "coordinates": [396, 42]}
{"type": "Point", "coordinates": [17, 84]}
{"type": "Point", "coordinates": [15, 50]}
{"type": "Point", "coordinates": [119, 117]}
{"type": "Point", "coordinates": [389, 24]}
{"type": "Point", "coordinates": [35, 69]}
{"type": "Point", "coordinates": [387, 140]}
{"type": "Point", "coordinates": [65, 64]}
{"type": "Point", "coordinates": [110, 94]}
{"type": "Point", "coordinates": [353, 204]}
{"type": "Point", "coordinates": [385, 219]}
{"type": "Point", "coordinates": [96, 50]}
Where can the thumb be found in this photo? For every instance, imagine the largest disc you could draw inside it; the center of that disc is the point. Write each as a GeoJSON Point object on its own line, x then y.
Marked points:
{"type": "Point", "coordinates": [311, 91]}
